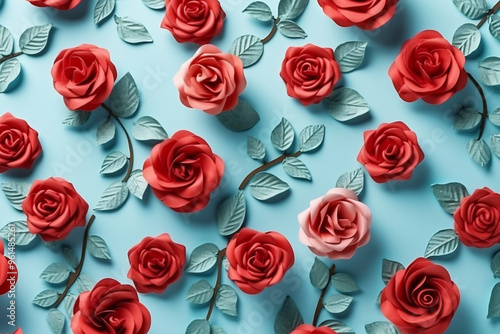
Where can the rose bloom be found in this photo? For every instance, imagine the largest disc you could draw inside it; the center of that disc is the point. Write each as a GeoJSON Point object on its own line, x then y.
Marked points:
{"type": "Point", "coordinates": [310, 73]}
{"type": "Point", "coordinates": [18, 331]}
{"type": "Point", "coordinates": [58, 4]}
{"type": "Point", "coordinates": [155, 263]}
{"type": "Point", "coordinates": [428, 68]}
{"type": "Point", "coordinates": [53, 208]}
{"type": "Point", "coordinates": [211, 80]}
{"type": "Point", "coordinates": [390, 152]}
{"type": "Point", "coordinates": [19, 144]}
{"type": "Point", "coordinates": [364, 14]}
{"type": "Point", "coordinates": [84, 76]}
{"type": "Point", "coordinates": [421, 299]}
{"type": "Point", "coordinates": [195, 21]}
{"type": "Point", "coordinates": [8, 272]}
{"type": "Point", "coordinates": [477, 220]}
{"type": "Point", "coordinates": [110, 308]}
{"type": "Point", "coordinates": [336, 224]}
{"type": "Point", "coordinates": [310, 329]}
{"type": "Point", "coordinates": [258, 260]}
{"type": "Point", "coordinates": [183, 171]}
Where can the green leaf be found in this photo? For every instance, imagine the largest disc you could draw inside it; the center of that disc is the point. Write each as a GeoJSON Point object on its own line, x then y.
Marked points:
{"type": "Point", "coordinates": [198, 326]}
{"type": "Point", "coordinates": [105, 132]}
{"type": "Point", "coordinates": [231, 214]}
{"type": "Point", "coordinates": [350, 55]}
{"type": "Point", "coordinates": [283, 135]}
{"type": "Point", "coordinates": [23, 237]}
{"type": "Point", "coordinates": [479, 151]}
{"type": "Point", "coordinates": [494, 116]}
{"type": "Point", "coordinates": [442, 243]}
{"type": "Point", "coordinates": [103, 9]}
{"type": "Point", "coordinates": [311, 137]}
{"type": "Point", "coordinates": [16, 193]}
{"type": "Point", "coordinates": [288, 318]}
{"type": "Point", "coordinates": [69, 304]}
{"type": "Point", "coordinates": [46, 298]}
{"type": "Point", "coordinates": [381, 327]}
{"type": "Point", "coordinates": [113, 197]}
{"type": "Point", "coordinates": [338, 326]}
{"type": "Point", "coordinates": [291, 29]}
{"type": "Point", "coordinates": [495, 265]}
{"type": "Point", "coordinates": [124, 98]}
{"type": "Point", "coordinates": [227, 300]}
{"type": "Point", "coordinates": [217, 330]}
{"type": "Point", "coordinates": [154, 4]}
{"type": "Point", "coordinates": [132, 31]}
{"type": "Point", "coordinates": [249, 48]}
{"type": "Point", "coordinates": [450, 195]}
{"type": "Point", "coordinates": [296, 168]}
{"type": "Point", "coordinates": [344, 283]}
{"type": "Point", "coordinates": [494, 25]}
{"type": "Point", "coordinates": [70, 257]}
{"type": "Point", "coordinates": [85, 282]}
{"type": "Point", "coordinates": [33, 40]}
{"type": "Point", "coordinates": [494, 305]}
{"type": "Point", "coordinates": [56, 320]}
{"type": "Point", "coordinates": [200, 292]}
{"type": "Point", "coordinates": [489, 71]}
{"type": "Point", "coordinates": [243, 117]}
{"type": "Point", "coordinates": [259, 10]}
{"type": "Point", "coordinates": [319, 274]}
{"type": "Point", "coordinates": [345, 104]}
{"type": "Point", "coordinates": [264, 186]}
{"type": "Point", "coordinates": [77, 118]}
{"type": "Point", "coordinates": [114, 162]}
{"type": "Point", "coordinates": [337, 303]}
{"type": "Point", "coordinates": [97, 247]}
{"type": "Point", "coordinates": [495, 144]}
{"type": "Point", "coordinates": [467, 38]}
{"type": "Point", "coordinates": [55, 273]}
{"type": "Point", "coordinates": [473, 9]}
{"type": "Point", "coordinates": [291, 9]}
{"type": "Point", "coordinates": [389, 268]}
{"type": "Point", "coordinates": [467, 119]}
{"type": "Point", "coordinates": [354, 181]}
{"type": "Point", "coordinates": [202, 259]}
{"type": "Point", "coordinates": [148, 128]}
{"type": "Point", "coordinates": [9, 71]}
{"type": "Point", "coordinates": [6, 41]}
{"type": "Point", "coordinates": [255, 148]}
{"type": "Point", "coordinates": [137, 184]}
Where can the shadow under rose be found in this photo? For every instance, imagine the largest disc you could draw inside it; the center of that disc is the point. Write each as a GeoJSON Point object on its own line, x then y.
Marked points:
{"type": "Point", "coordinates": [419, 179]}
{"type": "Point", "coordinates": [399, 23]}
{"type": "Point", "coordinates": [79, 12]}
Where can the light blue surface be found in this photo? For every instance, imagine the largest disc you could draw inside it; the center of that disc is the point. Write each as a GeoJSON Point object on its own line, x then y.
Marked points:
{"type": "Point", "coordinates": [405, 214]}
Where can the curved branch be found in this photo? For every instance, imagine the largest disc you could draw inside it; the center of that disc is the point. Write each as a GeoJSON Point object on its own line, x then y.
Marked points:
{"type": "Point", "coordinates": [488, 14]}
{"type": "Point", "coordinates": [484, 114]}
{"type": "Point", "coordinates": [220, 256]}
{"type": "Point", "coordinates": [272, 33]}
{"type": "Point", "coordinates": [12, 55]}
{"type": "Point", "coordinates": [319, 306]}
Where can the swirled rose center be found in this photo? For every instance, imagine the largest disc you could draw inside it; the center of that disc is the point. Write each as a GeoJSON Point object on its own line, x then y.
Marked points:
{"type": "Point", "coordinates": [115, 321]}
{"type": "Point", "coordinates": [308, 69]}
{"type": "Point", "coordinates": [155, 260]}
{"type": "Point", "coordinates": [48, 203]}
{"type": "Point", "coordinates": [429, 63]}
{"type": "Point", "coordinates": [259, 259]}
{"type": "Point", "coordinates": [209, 76]}
{"type": "Point", "coordinates": [426, 297]}
{"type": "Point", "coordinates": [195, 9]}
{"type": "Point", "coordinates": [183, 171]}
{"type": "Point", "coordinates": [484, 217]}
{"type": "Point", "coordinates": [10, 141]}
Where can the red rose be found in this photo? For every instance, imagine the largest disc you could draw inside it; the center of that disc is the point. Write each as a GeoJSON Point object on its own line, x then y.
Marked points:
{"type": "Point", "coordinates": [391, 152]}
{"type": "Point", "coordinates": [477, 220]}
{"type": "Point", "coordinates": [364, 14]}
{"type": "Point", "coordinates": [211, 80]}
{"type": "Point", "coordinates": [183, 171]}
{"type": "Point", "coordinates": [53, 208]}
{"type": "Point", "coordinates": [310, 72]}
{"type": "Point", "coordinates": [110, 308]}
{"type": "Point", "coordinates": [18, 331]}
{"type": "Point", "coordinates": [195, 21]}
{"type": "Point", "coordinates": [58, 4]}
{"type": "Point", "coordinates": [421, 299]}
{"type": "Point", "coordinates": [258, 260]}
{"type": "Point", "coordinates": [155, 263]}
{"type": "Point", "coordinates": [84, 76]}
{"type": "Point", "coordinates": [8, 272]}
{"type": "Point", "coordinates": [428, 68]}
{"type": "Point", "coordinates": [19, 144]}
{"type": "Point", "coordinates": [310, 329]}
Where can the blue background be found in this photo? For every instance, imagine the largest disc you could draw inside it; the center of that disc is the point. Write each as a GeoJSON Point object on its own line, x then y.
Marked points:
{"type": "Point", "coordinates": [406, 214]}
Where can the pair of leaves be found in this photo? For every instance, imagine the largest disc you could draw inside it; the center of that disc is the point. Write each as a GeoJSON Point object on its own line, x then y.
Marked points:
{"type": "Point", "coordinates": [243, 117]}
{"type": "Point", "coordinates": [320, 278]}
{"type": "Point", "coordinates": [226, 301]}
{"type": "Point", "coordinates": [117, 193]}
{"type": "Point", "coordinates": [345, 104]}
{"type": "Point", "coordinates": [202, 326]}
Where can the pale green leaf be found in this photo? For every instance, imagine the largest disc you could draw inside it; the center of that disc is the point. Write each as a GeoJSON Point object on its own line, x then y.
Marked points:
{"type": "Point", "coordinates": [264, 186]}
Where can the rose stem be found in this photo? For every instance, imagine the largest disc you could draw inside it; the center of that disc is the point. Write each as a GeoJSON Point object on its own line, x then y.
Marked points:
{"type": "Point", "coordinates": [74, 276]}
{"type": "Point", "coordinates": [130, 147]}
{"type": "Point", "coordinates": [273, 31]}
{"type": "Point", "coordinates": [484, 114]}
{"type": "Point", "coordinates": [12, 55]}
{"type": "Point", "coordinates": [220, 256]}
{"type": "Point", "coordinates": [267, 166]}
{"type": "Point", "coordinates": [488, 13]}
{"type": "Point", "coordinates": [319, 307]}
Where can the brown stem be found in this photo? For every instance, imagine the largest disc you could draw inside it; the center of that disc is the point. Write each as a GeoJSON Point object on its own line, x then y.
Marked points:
{"type": "Point", "coordinates": [267, 166]}
{"type": "Point", "coordinates": [220, 256]}
{"type": "Point", "coordinates": [488, 13]}
{"type": "Point", "coordinates": [273, 31]}
{"type": "Point", "coordinates": [484, 114]}
{"type": "Point", "coordinates": [129, 141]}
{"type": "Point", "coordinates": [319, 306]}
{"type": "Point", "coordinates": [74, 276]}
{"type": "Point", "coordinates": [12, 55]}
